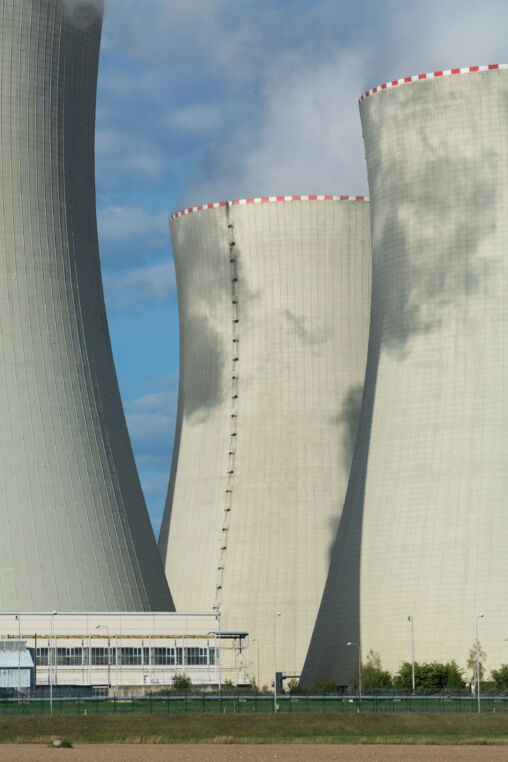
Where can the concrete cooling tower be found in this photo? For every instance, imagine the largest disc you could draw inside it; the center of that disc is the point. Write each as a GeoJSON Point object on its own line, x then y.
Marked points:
{"type": "Point", "coordinates": [424, 531]}
{"type": "Point", "coordinates": [274, 298]}
{"type": "Point", "coordinates": [74, 530]}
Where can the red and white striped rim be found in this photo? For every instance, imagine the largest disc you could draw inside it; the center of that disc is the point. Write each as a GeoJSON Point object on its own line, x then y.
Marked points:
{"type": "Point", "coordinates": [263, 200]}
{"type": "Point", "coordinates": [431, 75]}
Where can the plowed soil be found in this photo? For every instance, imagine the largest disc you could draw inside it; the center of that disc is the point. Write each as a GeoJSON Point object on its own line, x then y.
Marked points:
{"type": "Point", "coordinates": [251, 753]}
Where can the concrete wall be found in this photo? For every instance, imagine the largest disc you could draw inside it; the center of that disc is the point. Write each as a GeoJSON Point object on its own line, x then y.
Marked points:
{"type": "Point", "coordinates": [268, 409]}
{"type": "Point", "coordinates": [424, 531]}
{"type": "Point", "coordinates": [74, 530]}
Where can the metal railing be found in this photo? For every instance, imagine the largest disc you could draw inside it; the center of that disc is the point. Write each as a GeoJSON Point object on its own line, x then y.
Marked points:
{"type": "Point", "coordinates": [213, 704]}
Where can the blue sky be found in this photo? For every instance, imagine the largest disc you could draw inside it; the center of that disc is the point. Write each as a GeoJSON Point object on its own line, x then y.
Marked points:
{"type": "Point", "coordinates": [207, 100]}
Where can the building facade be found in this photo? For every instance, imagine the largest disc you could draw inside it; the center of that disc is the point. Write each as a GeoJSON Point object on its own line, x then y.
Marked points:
{"type": "Point", "coordinates": [127, 653]}
{"type": "Point", "coordinates": [16, 668]}
{"type": "Point", "coordinates": [424, 531]}
{"type": "Point", "coordinates": [74, 529]}
{"type": "Point", "coordinates": [274, 299]}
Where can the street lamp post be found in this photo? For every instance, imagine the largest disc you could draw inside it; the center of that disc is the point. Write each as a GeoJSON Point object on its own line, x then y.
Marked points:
{"type": "Point", "coordinates": [219, 655]}
{"type": "Point", "coordinates": [105, 627]}
{"type": "Point", "coordinates": [478, 616]}
{"type": "Point", "coordinates": [50, 661]}
{"type": "Point", "coordinates": [275, 707]}
{"type": "Point", "coordinates": [351, 643]}
{"type": "Point", "coordinates": [18, 618]}
{"type": "Point", "coordinates": [256, 641]}
{"type": "Point", "coordinates": [411, 620]}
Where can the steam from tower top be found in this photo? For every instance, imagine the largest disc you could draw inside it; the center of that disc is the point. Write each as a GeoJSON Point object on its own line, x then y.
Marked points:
{"type": "Point", "coordinates": [83, 13]}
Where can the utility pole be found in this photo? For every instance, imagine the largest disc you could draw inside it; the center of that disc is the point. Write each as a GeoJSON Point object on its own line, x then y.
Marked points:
{"type": "Point", "coordinates": [411, 620]}
{"type": "Point", "coordinates": [478, 616]}
{"type": "Point", "coordinates": [275, 707]}
{"type": "Point", "coordinates": [18, 618]}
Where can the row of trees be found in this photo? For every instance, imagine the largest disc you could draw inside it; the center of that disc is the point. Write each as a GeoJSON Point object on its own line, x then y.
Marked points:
{"type": "Point", "coordinates": [431, 678]}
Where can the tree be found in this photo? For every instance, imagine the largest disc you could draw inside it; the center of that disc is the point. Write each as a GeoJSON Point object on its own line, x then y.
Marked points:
{"type": "Point", "coordinates": [430, 679]}
{"type": "Point", "coordinates": [471, 663]}
{"type": "Point", "coordinates": [322, 688]}
{"type": "Point", "coordinates": [294, 687]}
{"type": "Point", "coordinates": [375, 679]}
{"type": "Point", "coordinates": [499, 679]}
{"type": "Point", "coordinates": [181, 684]}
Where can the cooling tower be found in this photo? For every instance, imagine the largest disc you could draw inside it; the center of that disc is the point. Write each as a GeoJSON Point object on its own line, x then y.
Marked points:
{"type": "Point", "coordinates": [75, 533]}
{"type": "Point", "coordinates": [424, 531]}
{"type": "Point", "coordinates": [274, 299]}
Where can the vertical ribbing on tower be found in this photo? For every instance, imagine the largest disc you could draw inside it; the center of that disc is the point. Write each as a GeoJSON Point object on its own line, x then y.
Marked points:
{"type": "Point", "coordinates": [75, 533]}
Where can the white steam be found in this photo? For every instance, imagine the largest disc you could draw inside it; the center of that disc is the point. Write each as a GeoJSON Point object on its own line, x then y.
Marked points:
{"type": "Point", "coordinates": [83, 13]}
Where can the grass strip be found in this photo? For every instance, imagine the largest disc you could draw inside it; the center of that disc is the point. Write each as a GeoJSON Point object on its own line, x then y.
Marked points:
{"type": "Point", "coordinates": [304, 728]}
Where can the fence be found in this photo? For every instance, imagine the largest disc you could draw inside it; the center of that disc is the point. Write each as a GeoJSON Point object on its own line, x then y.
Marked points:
{"type": "Point", "coordinates": [210, 704]}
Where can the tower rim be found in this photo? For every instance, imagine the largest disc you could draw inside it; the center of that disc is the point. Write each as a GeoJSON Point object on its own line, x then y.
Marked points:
{"type": "Point", "coordinates": [430, 75]}
{"type": "Point", "coordinates": [262, 200]}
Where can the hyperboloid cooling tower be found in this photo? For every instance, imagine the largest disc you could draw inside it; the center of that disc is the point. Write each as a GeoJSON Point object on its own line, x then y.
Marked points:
{"type": "Point", "coordinates": [274, 297]}
{"type": "Point", "coordinates": [75, 533]}
{"type": "Point", "coordinates": [424, 531]}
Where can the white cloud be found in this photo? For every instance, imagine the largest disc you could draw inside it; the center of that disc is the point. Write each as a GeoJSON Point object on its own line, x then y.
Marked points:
{"type": "Point", "coordinates": [452, 33]}
{"type": "Point", "coordinates": [309, 140]}
{"type": "Point", "coordinates": [129, 235]}
{"type": "Point", "coordinates": [160, 402]}
{"type": "Point", "coordinates": [151, 421]}
{"type": "Point", "coordinates": [262, 97]}
{"type": "Point", "coordinates": [155, 484]}
{"type": "Point", "coordinates": [125, 155]}
{"type": "Point", "coordinates": [124, 222]}
{"type": "Point", "coordinates": [198, 119]}
{"type": "Point", "coordinates": [145, 286]}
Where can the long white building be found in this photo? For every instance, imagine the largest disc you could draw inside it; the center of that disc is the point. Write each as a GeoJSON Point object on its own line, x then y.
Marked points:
{"type": "Point", "coordinates": [424, 532]}
{"type": "Point", "coordinates": [74, 529]}
{"type": "Point", "coordinates": [122, 653]}
{"type": "Point", "coordinates": [274, 299]}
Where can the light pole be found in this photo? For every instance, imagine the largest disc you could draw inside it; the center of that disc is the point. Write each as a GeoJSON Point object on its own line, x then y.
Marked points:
{"type": "Point", "coordinates": [219, 656]}
{"type": "Point", "coordinates": [275, 707]}
{"type": "Point", "coordinates": [50, 660]}
{"type": "Point", "coordinates": [105, 627]}
{"type": "Point", "coordinates": [18, 618]}
{"type": "Point", "coordinates": [411, 620]}
{"type": "Point", "coordinates": [478, 616]}
{"type": "Point", "coordinates": [350, 643]}
{"type": "Point", "coordinates": [256, 641]}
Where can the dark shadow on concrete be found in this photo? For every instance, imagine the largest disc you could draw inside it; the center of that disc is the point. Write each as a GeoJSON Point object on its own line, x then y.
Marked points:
{"type": "Point", "coordinates": [349, 418]}
{"type": "Point", "coordinates": [338, 619]}
{"type": "Point", "coordinates": [419, 279]}
{"type": "Point", "coordinates": [205, 390]}
{"type": "Point", "coordinates": [347, 423]}
{"type": "Point", "coordinates": [314, 338]}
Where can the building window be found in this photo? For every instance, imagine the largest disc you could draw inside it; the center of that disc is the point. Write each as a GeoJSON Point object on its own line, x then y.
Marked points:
{"type": "Point", "coordinates": [99, 657]}
{"type": "Point", "coordinates": [163, 657]}
{"type": "Point", "coordinates": [69, 657]}
{"type": "Point", "coordinates": [42, 657]}
{"type": "Point", "coordinates": [196, 656]}
{"type": "Point", "coordinates": [130, 656]}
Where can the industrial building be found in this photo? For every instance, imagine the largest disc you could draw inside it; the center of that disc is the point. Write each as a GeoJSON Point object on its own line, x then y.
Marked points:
{"type": "Point", "coordinates": [75, 533]}
{"type": "Point", "coordinates": [274, 301]}
{"type": "Point", "coordinates": [424, 531]}
{"type": "Point", "coordinates": [124, 654]}
{"type": "Point", "coordinates": [16, 668]}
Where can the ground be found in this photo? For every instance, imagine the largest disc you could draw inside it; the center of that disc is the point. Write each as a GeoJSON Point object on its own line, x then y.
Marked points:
{"type": "Point", "coordinates": [252, 753]}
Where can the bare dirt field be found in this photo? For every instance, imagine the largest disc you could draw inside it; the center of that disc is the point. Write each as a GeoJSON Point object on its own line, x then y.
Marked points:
{"type": "Point", "coordinates": [253, 753]}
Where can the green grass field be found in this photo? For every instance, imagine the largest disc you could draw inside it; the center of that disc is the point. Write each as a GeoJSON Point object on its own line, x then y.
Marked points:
{"type": "Point", "coordinates": [369, 728]}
